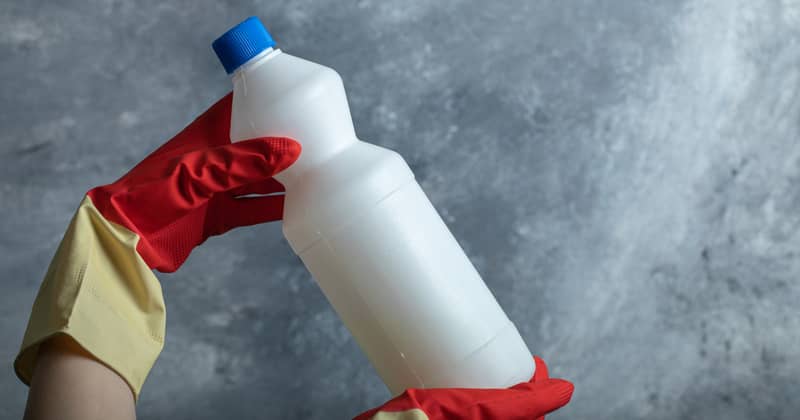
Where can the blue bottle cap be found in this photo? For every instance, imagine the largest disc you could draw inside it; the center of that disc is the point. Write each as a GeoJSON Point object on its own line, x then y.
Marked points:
{"type": "Point", "coordinates": [241, 43]}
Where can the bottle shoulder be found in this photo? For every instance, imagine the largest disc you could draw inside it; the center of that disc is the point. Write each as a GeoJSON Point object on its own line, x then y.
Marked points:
{"type": "Point", "coordinates": [361, 166]}
{"type": "Point", "coordinates": [349, 183]}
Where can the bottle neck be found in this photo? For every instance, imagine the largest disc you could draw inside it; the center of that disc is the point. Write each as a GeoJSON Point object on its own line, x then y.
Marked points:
{"type": "Point", "coordinates": [254, 62]}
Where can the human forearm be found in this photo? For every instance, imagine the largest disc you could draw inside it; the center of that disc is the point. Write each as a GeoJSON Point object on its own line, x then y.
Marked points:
{"type": "Point", "coordinates": [69, 383]}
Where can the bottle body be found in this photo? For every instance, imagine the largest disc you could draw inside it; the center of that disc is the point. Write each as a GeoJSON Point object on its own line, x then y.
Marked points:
{"type": "Point", "coordinates": [373, 241]}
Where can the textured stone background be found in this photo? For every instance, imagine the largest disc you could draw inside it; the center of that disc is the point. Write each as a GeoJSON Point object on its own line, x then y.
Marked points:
{"type": "Point", "coordinates": [624, 174]}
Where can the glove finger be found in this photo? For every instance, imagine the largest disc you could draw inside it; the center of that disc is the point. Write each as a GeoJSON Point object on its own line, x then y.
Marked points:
{"type": "Point", "coordinates": [541, 372]}
{"type": "Point", "coordinates": [270, 186]}
{"type": "Point", "coordinates": [535, 399]}
{"type": "Point", "coordinates": [201, 174]}
{"type": "Point", "coordinates": [226, 212]}
{"type": "Point", "coordinates": [557, 393]}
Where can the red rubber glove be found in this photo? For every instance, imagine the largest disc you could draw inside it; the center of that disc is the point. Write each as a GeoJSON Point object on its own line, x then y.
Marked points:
{"type": "Point", "coordinates": [528, 400]}
{"type": "Point", "coordinates": [185, 191]}
{"type": "Point", "coordinates": [100, 289]}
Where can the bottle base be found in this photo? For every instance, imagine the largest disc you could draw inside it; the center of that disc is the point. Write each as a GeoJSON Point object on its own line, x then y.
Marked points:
{"type": "Point", "coordinates": [501, 362]}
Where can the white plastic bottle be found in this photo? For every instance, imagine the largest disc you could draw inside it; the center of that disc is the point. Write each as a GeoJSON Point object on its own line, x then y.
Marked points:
{"type": "Point", "coordinates": [366, 231]}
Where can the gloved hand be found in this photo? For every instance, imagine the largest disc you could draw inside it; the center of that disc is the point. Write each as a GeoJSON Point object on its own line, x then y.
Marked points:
{"type": "Point", "coordinates": [528, 400]}
{"type": "Point", "coordinates": [100, 289]}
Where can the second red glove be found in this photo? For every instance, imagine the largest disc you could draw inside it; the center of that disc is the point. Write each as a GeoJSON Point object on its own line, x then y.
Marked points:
{"type": "Point", "coordinates": [528, 400]}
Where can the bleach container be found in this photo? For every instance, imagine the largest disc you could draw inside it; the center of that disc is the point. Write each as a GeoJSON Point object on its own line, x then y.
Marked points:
{"type": "Point", "coordinates": [367, 232]}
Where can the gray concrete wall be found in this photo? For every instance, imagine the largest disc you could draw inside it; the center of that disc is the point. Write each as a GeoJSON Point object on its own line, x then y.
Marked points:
{"type": "Point", "coordinates": [623, 173]}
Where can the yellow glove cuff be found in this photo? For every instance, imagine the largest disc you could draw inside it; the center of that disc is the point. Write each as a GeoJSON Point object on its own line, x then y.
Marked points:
{"type": "Point", "coordinates": [100, 292]}
{"type": "Point", "coordinates": [412, 414]}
